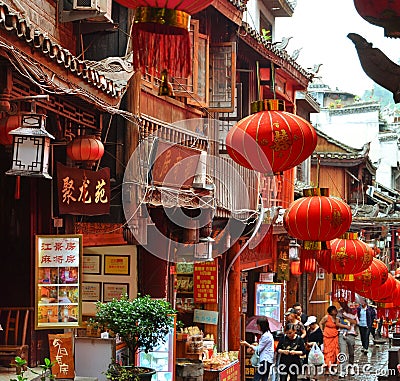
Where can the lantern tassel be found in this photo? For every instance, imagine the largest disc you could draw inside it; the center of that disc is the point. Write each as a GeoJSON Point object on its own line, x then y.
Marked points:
{"type": "Point", "coordinates": [157, 46]}
{"type": "Point", "coordinates": [17, 191]}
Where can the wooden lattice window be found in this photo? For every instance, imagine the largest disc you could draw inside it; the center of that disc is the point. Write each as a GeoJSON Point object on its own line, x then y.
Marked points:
{"type": "Point", "coordinates": [222, 76]}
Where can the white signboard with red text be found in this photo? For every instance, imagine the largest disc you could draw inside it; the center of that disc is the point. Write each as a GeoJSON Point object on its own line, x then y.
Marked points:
{"type": "Point", "coordinates": [58, 281]}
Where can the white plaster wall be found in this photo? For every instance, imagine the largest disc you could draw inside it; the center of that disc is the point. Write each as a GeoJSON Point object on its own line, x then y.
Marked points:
{"type": "Point", "coordinates": [252, 15]}
{"type": "Point", "coordinates": [389, 157]}
{"type": "Point", "coordinates": [353, 130]}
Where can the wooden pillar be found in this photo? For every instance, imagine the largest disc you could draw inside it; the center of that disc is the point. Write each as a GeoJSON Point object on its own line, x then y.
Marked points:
{"type": "Point", "coordinates": [234, 300]}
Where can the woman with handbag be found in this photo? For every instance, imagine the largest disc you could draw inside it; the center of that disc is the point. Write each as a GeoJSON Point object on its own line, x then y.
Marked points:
{"type": "Point", "coordinates": [264, 349]}
{"type": "Point", "coordinates": [291, 349]}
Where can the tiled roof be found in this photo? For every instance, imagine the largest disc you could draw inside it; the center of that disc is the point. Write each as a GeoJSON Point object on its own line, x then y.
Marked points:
{"type": "Point", "coordinates": [329, 139]}
{"type": "Point", "coordinates": [39, 41]}
{"type": "Point", "coordinates": [351, 156]}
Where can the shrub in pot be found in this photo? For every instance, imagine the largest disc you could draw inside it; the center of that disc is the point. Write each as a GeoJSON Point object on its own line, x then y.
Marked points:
{"type": "Point", "coordinates": [142, 323]}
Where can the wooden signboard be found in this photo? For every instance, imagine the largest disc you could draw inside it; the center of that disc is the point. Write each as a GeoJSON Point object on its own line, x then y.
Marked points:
{"type": "Point", "coordinates": [62, 355]}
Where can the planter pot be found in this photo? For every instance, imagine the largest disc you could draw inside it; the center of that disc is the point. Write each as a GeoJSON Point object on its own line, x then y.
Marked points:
{"type": "Point", "coordinates": [136, 373]}
{"type": "Point", "coordinates": [147, 375]}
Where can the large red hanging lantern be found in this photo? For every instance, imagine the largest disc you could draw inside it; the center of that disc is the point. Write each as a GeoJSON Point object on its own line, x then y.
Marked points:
{"type": "Point", "coordinates": [382, 293]}
{"type": "Point", "coordinates": [316, 219]}
{"type": "Point", "coordinates": [270, 139]}
{"type": "Point", "coordinates": [372, 277]}
{"type": "Point", "coordinates": [384, 13]}
{"type": "Point", "coordinates": [160, 34]}
{"type": "Point", "coordinates": [348, 255]}
{"type": "Point", "coordinates": [85, 149]}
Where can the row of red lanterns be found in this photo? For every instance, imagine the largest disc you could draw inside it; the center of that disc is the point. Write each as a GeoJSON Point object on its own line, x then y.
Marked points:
{"type": "Point", "coordinates": [83, 149]}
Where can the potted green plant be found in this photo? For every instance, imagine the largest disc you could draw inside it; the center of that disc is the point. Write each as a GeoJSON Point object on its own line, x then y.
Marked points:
{"type": "Point", "coordinates": [141, 323]}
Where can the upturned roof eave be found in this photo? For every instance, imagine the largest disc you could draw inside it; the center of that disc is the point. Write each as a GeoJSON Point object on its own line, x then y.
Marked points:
{"type": "Point", "coordinates": [279, 57]}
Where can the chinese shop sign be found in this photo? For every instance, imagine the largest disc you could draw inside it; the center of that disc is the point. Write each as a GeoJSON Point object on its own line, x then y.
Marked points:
{"type": "Point", "coordinates": [58, 280]}
{"type": "Point", "coordinates": [231, 373]}
{"type": "Point", "coordinates": [83, 192]}
{"type": "Point", "coordinates": [283, 267]}
{"type": "Point", "coordinates": [205, 316]}
{"type": "Point", "coordinates": [205, 280]}
{"type": "Point", "coordinates": [62, 355]}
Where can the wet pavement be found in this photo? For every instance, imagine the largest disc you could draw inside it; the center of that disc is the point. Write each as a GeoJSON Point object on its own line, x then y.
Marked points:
{"type": "Point", "coordinates": [371, 366]}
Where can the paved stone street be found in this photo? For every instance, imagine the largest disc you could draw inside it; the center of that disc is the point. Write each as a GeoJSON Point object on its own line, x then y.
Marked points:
{"type": "Point", "coordinates": [372, 366]}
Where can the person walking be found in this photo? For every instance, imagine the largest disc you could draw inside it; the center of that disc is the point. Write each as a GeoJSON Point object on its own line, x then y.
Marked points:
{"type": "Point", "coordinates": [329, 325]}
{"type": "Point", "coordinates": [265, 349]}
{"type": "Point", "coordinates": [366, 316]}
{"type": "Point", "coordinates": [290, 349]}
{"type": "Point", "coordinates": [293, 318]}
{"type": "Point", "coordinates": [314, 333]}
{"type": "Point", "coordinates": [314, 336]}
{"type": "Point", "coordinates": [347, 314]}
{"type": "Point", "coordinates": [299, 311]}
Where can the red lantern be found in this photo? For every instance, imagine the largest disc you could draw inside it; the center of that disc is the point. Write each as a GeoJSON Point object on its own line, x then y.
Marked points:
{"type": "Point", "coordinates": [384, 13]}
{"type": "Point", "coordinates": [348, 255]}
{"type": "Point", "coordinates": [160, 34]}
{"type": "Point", "coordinates": [383, 293]}
{"type": "Point", "coordinates": [307, 261]}
{"type": "Point", "coordinates": [270, 139]}
{"type": "Point", "coordinates": [372, 277]}
{"type": "Point", "coordinates": [295, 268]}
{"type": "Point", "coordinates": [8, 124]}
{"type": "Point", "coordinates": [86, 149]}
{"type": "Point", "coordinates": [317, 217]}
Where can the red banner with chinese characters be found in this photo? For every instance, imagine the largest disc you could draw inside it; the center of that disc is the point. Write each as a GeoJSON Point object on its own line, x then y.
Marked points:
{"type": "Point", "coordinates": [175, 165]}
{"type": "Point", "coordinates": [231, 373]}
{"type": "Point", "coordinates": [83, 192]}
{"type": "Point", "coordinates": [205, 281]}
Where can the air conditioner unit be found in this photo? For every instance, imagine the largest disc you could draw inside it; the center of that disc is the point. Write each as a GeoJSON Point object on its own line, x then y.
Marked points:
{"type": "Point", "coordinates": [85, 5]}
{"type": "Point", "coordinates": [101, 6]}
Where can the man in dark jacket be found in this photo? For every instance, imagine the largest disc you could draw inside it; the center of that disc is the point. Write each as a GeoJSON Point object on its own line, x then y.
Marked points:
{"type": "Point", "coordinates": [366, 316]}
{"type": "Point", "coordinates": [299, 311]}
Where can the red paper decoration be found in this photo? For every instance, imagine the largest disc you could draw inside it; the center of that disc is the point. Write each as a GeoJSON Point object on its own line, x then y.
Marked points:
{"type": "Point", "coordinates": [340, 292]}
{"type": "Point", "coordinates": [307, 261]}
{"type": "Point", "coordinates": [85, 149]}
{"type": "Point", "coordinates": [270, 139]}
{"type": "Point", "coordinates": [371, 278]}
{"type": "Point", "coordinates": [348, 255]}
{"type": "Point", "coordinates": [384, 13]}
{"type": "Point", "coordinates": [160, 34]}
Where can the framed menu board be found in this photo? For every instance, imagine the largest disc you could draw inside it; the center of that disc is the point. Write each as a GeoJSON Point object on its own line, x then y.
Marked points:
{"type": "Point", "coordinates": [58, 281]}
{"type": "Point", "coordinates": [267, 300]}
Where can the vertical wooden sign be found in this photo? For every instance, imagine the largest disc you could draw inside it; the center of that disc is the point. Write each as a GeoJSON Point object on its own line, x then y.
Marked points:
{"type": "Point", "coordinates": [62, 355]}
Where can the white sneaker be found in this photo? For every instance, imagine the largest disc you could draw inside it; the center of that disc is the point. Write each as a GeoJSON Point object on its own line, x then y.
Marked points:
{"type": "Point", "coordinates": [351, 372]}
